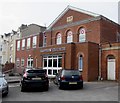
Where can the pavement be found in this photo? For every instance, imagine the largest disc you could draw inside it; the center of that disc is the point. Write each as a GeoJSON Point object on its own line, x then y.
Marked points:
{"type": "Point", "coordinates": [13, 79]}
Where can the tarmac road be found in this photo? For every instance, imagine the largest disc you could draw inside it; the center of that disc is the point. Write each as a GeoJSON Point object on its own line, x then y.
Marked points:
{"type": "Point", "coordinates": [92, 91]}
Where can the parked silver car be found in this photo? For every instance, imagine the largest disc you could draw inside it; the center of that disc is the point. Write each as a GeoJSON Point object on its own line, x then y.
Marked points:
{"type": "Point", "coordinates": [3, 85]}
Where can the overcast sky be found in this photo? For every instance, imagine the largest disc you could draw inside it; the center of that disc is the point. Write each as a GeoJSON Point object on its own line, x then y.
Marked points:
{"type": "Point", "coordinates": [13, 13]}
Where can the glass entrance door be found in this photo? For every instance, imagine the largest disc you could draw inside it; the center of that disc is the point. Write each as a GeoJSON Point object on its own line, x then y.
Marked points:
{"type": "Point", "coordinates": [52, 64]}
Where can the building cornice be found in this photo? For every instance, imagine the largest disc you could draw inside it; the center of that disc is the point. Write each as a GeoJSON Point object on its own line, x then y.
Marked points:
{"type": "Point", "coordinates": [111, 48]}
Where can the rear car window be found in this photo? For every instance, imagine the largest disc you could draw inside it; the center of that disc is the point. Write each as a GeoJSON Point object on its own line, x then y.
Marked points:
{"type": "Point", "coordinates": [71, 72]}
{"type": "Point", "coordinates": [36, 71]}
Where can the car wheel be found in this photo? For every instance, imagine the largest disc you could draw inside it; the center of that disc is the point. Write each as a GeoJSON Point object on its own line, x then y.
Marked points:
{"type": "Point", "coordinates": [5, 94]}
{"type": "Point", "coordinates": [46, 88]}
{"type": "Point", "coordinates": [59, 86]}
{"type": "Point", "coordinates": [81, 87]}
{"type": "Point", "coordinates": [22, 88]}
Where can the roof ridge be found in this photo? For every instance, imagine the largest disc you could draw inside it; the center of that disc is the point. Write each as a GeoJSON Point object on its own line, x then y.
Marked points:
{"type": "Point", "coordinates": [84, 11]}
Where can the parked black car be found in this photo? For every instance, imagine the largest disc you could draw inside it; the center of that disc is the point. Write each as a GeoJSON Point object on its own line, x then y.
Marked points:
{"type": "Point", "coordinates": [69, 79]}
{"type": "Point", "coordinates": [4, 88]}
{"type": "Point", "coordinates": [34, 79]}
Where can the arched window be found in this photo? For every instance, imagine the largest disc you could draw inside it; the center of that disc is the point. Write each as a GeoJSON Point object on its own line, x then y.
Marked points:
{"type": "Point", "coordinates": [59, 39]}
{"type": "Point", "coordinates": [82, 35]}
{"type": "Point", "coordinates": [80, 63]}
{"type": "Point", "coordinates": [69, 37]}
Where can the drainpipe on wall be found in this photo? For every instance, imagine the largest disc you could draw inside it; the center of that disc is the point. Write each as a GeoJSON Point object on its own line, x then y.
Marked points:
{"type": "Point", "coordinates": [100, 52]}
{"type": "Point", "coordinates": [51, 37]}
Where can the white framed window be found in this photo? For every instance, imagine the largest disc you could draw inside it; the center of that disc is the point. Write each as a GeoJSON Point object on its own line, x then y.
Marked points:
{"type": "Point", "coordinates": [59, 38]}
{"type": "Point", "coordinates": [34, 42]}
{"type": "Point", "coordinates": [44, 40]}
{"type": "Point", "coordinates": [52, 64]}
{"type": "Point", "coordinates": [17, 62]}
{"type": "Point", "coordinates": [22, 62]}
{"type": "Point", "coordinates": [30, 62]}
{"type": "Point", "coordinates": [80, 63]}
{"type": "Point", "coordinates": [28, 43]}
{"type": "Point", "coordinates": [23, 44]}
{"type": "Point", "coordinates": [82, 35]}
{"type": "Point", "coordinates": [18, 45]}
{"type": "Point", "coordinates": [69, 37]}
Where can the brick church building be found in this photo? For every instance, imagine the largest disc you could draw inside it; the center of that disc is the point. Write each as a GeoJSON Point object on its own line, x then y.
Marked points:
{"type": "Point", "coordinates": [76, 39]}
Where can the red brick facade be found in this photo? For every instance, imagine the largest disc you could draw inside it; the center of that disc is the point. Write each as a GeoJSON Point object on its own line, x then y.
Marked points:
{"type": "Point", "coordinates": [107, 51]}
{"type": "Point", "coordinates": [89, 55]}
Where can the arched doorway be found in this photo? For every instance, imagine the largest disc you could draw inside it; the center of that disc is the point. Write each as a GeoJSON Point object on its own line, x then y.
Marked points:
{"type": "Point", "coordinates": [111, 65]}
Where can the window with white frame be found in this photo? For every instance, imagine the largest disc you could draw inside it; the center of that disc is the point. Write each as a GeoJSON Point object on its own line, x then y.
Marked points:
{"type": "Point", "coordinates": [28, 43]}
{"type": "Point", "coordinates": [22, 62]}
{"type": "Point", "coordinates": [18, 45]}
{"type": "Point", "coordinates": [82, 35]}
{"type": "Point", "coordinates": [18, 62]}
{"type": "Point", "coordinates": [80, 63]}
{"type": "Point", "coordinates": [23, 44]}
{"type": "Point", "coordinates": [34, 42]}
{"type": "Point", "coordinates": [44, 40]}
{"type": "Point", "coordinates": [52, 64]}
{"type": "Point", "coordinates": [30, 62]}
{"type": "Point", "coordinates": [59, 38]}
{"type": "Point", "coordinates": [69, 37]}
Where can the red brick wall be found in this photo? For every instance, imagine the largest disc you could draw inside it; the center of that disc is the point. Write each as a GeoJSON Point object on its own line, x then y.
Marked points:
{"type": "Point", "coordinates": [82, 49]}
{"type": "Point", "coordinates": [77, 16]}
{"type": "Point", "coordinates": [29, 52]}
{"type": "Point", "coordinates": [93, 61]}
{"type": "Point", "coordinates": [71, 55]}
{"type": "Point", "coordinates": [7, 67]}
{"type": "Point", "coordinates": [116, 54]}
{"type": "Point", "coordinates": [108, 31]}
{"type": "Point", "coordinates": [92, 33]}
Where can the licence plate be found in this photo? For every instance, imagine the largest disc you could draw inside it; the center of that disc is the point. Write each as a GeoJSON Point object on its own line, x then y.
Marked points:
{"type": "Point", "coordinates": [36, 78]}
{"type": "Point", "coordinates": [72, 82]}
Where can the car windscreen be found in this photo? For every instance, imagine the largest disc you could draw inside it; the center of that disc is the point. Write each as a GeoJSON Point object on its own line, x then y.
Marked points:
{"type": "Point", "coordinates": [71, 72]}
{"type": "Point", "coordinates": [36, 71]}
